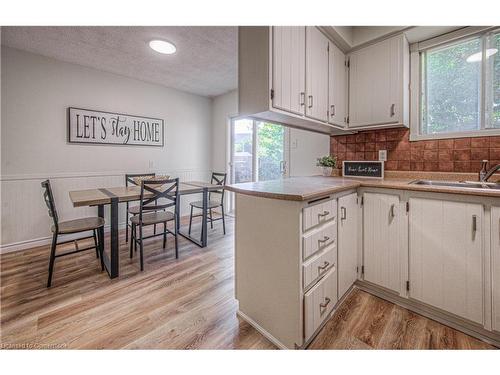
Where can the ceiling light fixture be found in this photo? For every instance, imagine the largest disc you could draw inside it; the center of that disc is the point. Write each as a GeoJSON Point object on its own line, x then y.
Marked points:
{"type": "Point", "coordinates": [162, 46]}
{"type": "Point", "coordinates": [479, 56]}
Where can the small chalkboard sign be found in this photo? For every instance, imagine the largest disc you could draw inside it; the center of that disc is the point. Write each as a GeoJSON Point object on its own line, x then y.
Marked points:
{"type": "Point", "coordinates": [367, 169]}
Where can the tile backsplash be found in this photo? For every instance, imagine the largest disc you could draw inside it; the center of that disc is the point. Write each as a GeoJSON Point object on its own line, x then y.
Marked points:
{"type": "Point", "coordinates": [444, 155]}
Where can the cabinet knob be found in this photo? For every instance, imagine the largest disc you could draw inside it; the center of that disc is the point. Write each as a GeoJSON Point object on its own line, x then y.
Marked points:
{"type": "Point", "coordinates": [302, 98]}
{"type": "Point", "coordinates": [393, 110]}
{"type": "Point", "coordinates": [325, 213]}
{"type": "Point", "coordinates": [332, 109]}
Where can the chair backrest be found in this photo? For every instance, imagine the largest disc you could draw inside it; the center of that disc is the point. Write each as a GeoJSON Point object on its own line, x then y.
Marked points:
{"type": "Point", "coordinates": [129, 178]}
{"type": "Point", "coordinates": [218, 179]}
{"type": "Point", "coordinates": [161, 189]}
{"type": "Point", "coordinates": [48, 197]}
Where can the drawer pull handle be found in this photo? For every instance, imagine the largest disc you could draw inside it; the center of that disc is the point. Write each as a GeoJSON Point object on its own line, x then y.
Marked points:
{"type": "Point", "coordinates": [326, 238]}
{"type": "Point", "coordinates": [343, 213]}
{"type": "Point", "coordinates": [325, 213]}
{"type": "Point", "coordinates": [323, 267]}
{"type": "Point", "coordinates": [324, 304]}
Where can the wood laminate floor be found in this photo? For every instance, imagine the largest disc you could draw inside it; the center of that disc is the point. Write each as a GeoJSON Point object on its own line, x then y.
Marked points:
{"type": "Point", "coordinates": [184, 304]}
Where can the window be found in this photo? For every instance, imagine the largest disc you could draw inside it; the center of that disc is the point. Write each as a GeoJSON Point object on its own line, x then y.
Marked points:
{"type": "Point", "coordinates": [460, 87]}
{"type": "Point", "coordinates": [259, 151]}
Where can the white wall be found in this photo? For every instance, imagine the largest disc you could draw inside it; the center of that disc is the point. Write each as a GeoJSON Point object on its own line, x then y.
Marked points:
{"type": "Point", "coordinates": [305, 148]}
{"type": "Point", "coordinates": [36, 92]}
{"type": "Point", "coordinates": [223, 107]}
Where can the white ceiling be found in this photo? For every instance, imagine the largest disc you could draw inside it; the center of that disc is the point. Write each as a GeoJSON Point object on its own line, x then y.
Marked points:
{"type": "Point", "coordinates": [206, 61]}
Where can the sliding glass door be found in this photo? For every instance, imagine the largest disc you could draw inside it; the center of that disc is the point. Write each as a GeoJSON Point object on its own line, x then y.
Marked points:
{"type": "Point", "coordinates": [259, 151]}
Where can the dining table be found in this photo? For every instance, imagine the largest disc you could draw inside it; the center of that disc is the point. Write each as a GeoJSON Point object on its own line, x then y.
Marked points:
{"type": "Point", "coordinates": [112, 196]}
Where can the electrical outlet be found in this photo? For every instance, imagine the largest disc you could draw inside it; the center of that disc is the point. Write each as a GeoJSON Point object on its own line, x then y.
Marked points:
{"type": "Point", "coordinates": [382, 155]}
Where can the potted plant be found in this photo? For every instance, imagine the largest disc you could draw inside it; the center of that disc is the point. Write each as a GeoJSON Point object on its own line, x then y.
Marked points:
{"type": "Point", "coordinates": [327, 163]}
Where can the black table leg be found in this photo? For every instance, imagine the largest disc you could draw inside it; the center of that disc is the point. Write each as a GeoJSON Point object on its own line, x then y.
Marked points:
{"type": "Point", "coordinates": [202, 242]}
{"type": "Point", "coordinates": [114, 272]}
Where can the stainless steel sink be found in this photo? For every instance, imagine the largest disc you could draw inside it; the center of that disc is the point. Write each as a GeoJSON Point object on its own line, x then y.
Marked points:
{"type": "Point", "coordinates": [460, 184]}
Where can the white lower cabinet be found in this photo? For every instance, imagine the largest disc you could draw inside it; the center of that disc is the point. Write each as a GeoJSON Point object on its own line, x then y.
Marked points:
{"type": "Point", "coordinates": [319, 302]}
{"type": "Point", "coordinates": [446, 256]}
{"type": "Point", "coordinates": [347, 242]}
{"type": "Point", "coordinates": [381, 240]}
{"type": "Point", "coordinates": [495, 259]}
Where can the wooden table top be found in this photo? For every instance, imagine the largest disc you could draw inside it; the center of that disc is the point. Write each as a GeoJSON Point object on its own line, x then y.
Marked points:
{"type": "Point", "coordinates": [94, 197]}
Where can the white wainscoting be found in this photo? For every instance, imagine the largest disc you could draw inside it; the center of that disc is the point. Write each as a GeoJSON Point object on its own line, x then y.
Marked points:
{"type": "Point", "coordinates": [25, 222]}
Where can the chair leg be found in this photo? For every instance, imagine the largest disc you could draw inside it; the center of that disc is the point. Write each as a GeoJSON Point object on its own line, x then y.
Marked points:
{"type": "Point", "coordinates": [135, 238]}
{"type": "Point", "coordinates": [190, 220]}
{"type": "Point", "coordinates": [95, 244]}
{"type": "Point", "coordinates": [141, 247]}
{"type": "Point", "coordinates": [223, 221]}
{"type": "Point", "coordinates": [211, 220]}
{"type": "Point", "coordinates": [132, 240]}
{"type": "Point", "coordinates": [100, 241]}
{"type": "Point", "coordinates": [175, 236]}
{"type": "Point", "coordinates": [52, 258]}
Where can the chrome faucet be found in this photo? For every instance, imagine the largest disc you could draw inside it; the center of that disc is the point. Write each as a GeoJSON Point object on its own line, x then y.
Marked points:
{"type": "Point", "coordinates": [485, 174]}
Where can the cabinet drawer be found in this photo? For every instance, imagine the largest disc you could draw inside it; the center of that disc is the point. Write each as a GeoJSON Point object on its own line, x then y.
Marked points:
{"type": "Point", "coordinates": [319, 302]}
{"type": "Point", "coordinates": [319, 239]}
{"type": "Point", "coordinates": [318, 214]}
{"type": "Point", "coordinates": [319, 265]}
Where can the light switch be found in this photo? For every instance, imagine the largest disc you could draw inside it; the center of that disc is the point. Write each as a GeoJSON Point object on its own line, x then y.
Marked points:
{"type": "Point", "coordinates": [382, 155]}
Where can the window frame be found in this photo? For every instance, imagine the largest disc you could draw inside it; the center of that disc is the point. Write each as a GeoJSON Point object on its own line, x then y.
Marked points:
{"type": "Point", "coordinates": [416, 73]}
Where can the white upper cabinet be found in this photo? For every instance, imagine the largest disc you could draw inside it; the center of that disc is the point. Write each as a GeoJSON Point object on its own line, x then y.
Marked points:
{"type": "Point", "coordinates": [316, 74]}
{"type": "Point", "coordinates": [337, 86]}
{"type": "Point", "coordinates": [446, 256]}
{"type": "Point", "coordinates": [347, 242]}
{"type": "Point", "coordinates": [381, 240]}
{"type": "Point", "coordinates": [378, 84]}
{"type": "Point", "coordinates": [288, 66]}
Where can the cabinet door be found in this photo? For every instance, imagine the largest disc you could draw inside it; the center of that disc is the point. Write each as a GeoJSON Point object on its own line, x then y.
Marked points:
{"type": "Point", "coordinates": [375, 83]}
{"type": "Point", "coordinates": [381, 240]}
{"type": "Point", "coordinates": [316, 74]}
{"type": "Point", "coordinates": [337, 86]}
{"type": "Point", "coordinates": [446, 260]}
{"type": "Point", "coordinates": [289, 68]}
{"type": "Point", "coordinates": [347, 242]}
{"type": "Point", "coordinates": [495, 259]}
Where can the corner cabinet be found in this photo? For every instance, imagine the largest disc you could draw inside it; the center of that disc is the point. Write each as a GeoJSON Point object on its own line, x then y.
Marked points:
{"type": "Point", "coordinates": [379, 85]}
{"type": "Point", "coordinates": [381, 240]}
{"type": "Point", "coordinates": [283, 77]}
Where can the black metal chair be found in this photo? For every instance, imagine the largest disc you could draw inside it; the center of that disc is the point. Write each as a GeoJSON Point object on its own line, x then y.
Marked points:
{"type": "Point", "coordinates": [152, 213]}
{"type": "Point", "coordinates": [217, 179]}
{"type": "Point", "coordinates": [71, 227]}
{"type": "Point", "coordinates": [134, 210]}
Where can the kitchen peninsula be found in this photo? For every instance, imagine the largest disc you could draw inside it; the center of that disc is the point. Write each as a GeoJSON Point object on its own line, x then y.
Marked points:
{"type": "Point", "coordinates": [302, 244]}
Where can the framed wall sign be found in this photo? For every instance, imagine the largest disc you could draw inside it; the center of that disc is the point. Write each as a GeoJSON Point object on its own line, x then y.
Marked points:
{"type": "Point", "coordinates": [367, 169]}
{"type": "Point", "coordinates": [98, 127]}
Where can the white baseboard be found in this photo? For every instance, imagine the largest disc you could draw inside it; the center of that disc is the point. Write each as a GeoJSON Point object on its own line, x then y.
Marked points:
{"type": "Point", "coordinates": [44, 241]}
{"type": "Point", "coordinates": [261, 330]}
